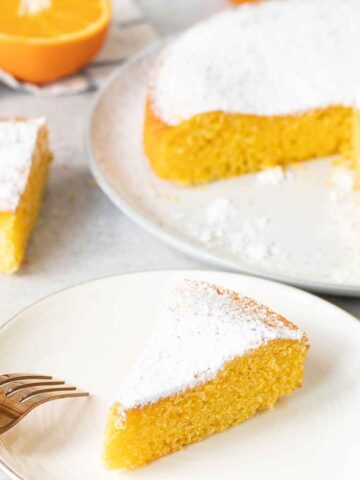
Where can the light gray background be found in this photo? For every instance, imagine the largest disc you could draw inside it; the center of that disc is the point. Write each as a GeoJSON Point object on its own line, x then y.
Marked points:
{"type": "Point", "coordinates": [81, 235]}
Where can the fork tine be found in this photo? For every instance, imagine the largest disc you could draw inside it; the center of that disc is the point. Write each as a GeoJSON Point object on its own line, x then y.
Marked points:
{"type": "Point", "coordinates": [41, 398]}
{"type": "Point", "coordinates": [26, 391]}
{"type": "Point", "coordinates": [30, 383]}
{"type": "Point", "coordinates": [24, 395]}
{"type": "Point", "coordinates": [14, 377]}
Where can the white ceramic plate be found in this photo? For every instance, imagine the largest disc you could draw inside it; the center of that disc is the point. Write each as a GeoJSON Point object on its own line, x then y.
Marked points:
{"type": "Point", "coordinates": [299, 229]}
{"type": "Point", "coordinates": [91, 334]}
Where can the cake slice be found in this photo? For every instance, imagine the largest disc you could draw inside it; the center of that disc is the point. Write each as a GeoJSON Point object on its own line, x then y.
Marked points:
{"type": "Point", "coordinates": [24, 162]}
{"type": "Point", "coordinates": [215, 359]}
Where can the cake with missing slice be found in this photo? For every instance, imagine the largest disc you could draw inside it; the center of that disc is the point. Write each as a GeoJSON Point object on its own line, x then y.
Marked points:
{"type": "Point", "coordinates": [215, 359]}
{"type": "Point", "coordinates": [265, 84]}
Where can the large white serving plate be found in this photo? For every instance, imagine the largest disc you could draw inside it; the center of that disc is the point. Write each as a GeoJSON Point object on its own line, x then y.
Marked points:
{"type": "Point", "coordinates": [91, 334]}
{"type": "Point", "coordinates": [300, 230]}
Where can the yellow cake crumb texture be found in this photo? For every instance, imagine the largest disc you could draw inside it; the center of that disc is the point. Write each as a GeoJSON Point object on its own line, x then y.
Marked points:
{"type": "Point", "coordinates": [217, 145]}
{"type": "Point", "coordinates": [246, 385]}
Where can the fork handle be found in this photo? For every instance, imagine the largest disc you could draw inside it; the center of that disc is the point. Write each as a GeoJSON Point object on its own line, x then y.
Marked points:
{"type": "Point", "coordinates": [8, 419]}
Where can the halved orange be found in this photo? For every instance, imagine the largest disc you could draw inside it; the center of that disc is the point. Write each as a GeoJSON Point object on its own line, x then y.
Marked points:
{"type": "Point", "coordinates": [43, 40]}
{"type": "Point", "coordinates": [244, 1]}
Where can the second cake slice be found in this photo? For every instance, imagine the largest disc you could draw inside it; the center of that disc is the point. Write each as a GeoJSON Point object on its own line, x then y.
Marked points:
{"type": "Point", "coordinates": [215, 359]}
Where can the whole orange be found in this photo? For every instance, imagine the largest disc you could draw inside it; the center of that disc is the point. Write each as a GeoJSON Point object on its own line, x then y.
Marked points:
{"type": "Point", "coordinates": [43, 40]}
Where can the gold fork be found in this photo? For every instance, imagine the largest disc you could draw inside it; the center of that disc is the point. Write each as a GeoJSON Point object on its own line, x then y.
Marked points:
{"type": "Point", "coordinates": [22, 392]}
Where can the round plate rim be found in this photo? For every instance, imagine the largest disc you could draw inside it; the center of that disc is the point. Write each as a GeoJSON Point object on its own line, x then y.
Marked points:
{"type": "Point", "coordinates": [185, 246]}
{"type": "Point", "coordinates": [8, 470]}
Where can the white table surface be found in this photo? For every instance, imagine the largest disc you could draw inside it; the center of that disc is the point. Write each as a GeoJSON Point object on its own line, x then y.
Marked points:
{"type": "Point", "coordinates": [81, 235]}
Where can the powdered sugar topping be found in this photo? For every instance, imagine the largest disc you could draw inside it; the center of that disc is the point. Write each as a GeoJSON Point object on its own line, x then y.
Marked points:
{"type": "Point", "coordinates": [17, 144]}
{"type": "Point", "coordinates": [270, 58]}
{"type": "Point", "coordinates": [200, 329]}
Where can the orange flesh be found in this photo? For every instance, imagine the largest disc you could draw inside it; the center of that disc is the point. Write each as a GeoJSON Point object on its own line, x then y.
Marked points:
{"type": "Point", "coordinates": [62, 18]}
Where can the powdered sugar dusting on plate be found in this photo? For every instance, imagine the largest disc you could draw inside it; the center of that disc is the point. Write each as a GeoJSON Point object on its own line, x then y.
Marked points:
{"type": "Point", "coordinates": [344, 222]}
{"type": "Point", "coordinates": [270, 58]}
{"type": "Point", "coordinates": [17, 143]}
{"type": "Point", "coordinates": [342, 179]}
{"type": "Point", "coordinates": [201, 328]}
{"type": "Point", "coordinates": [221, 225]}
{"type": "Point", "coordinates": [273, 176]}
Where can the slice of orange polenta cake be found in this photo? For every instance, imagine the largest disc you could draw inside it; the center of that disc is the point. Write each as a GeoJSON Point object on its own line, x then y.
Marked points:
{"type": "Point", "coordinates": [215, 359]}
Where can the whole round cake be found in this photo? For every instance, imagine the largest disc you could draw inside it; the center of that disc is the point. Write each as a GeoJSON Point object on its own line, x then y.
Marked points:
{"type": "Point", "coordinates": [261, 85]}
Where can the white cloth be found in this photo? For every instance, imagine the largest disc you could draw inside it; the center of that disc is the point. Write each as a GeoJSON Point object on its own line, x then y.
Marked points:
{"type": "Point", "coordinates": [130, 31]}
